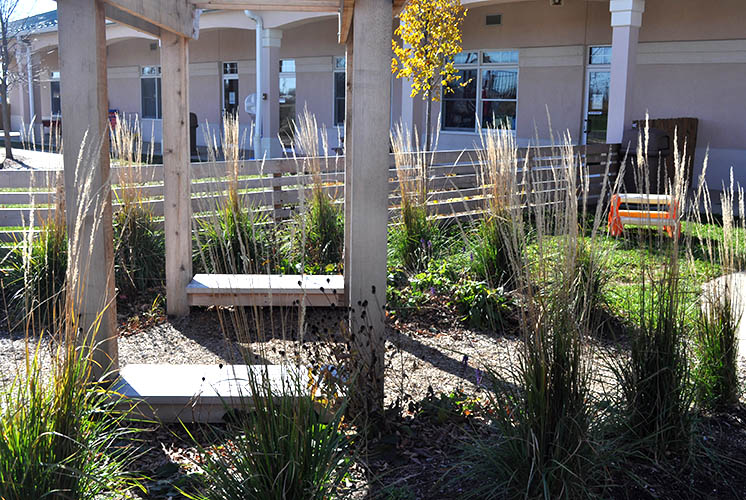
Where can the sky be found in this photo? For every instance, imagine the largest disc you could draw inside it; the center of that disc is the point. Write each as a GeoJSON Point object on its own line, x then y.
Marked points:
{"type": "Point", "coordinates": [27, 8]}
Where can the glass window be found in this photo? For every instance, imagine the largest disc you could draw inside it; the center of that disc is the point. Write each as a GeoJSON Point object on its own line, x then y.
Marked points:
{"type": "Point", "coordinates": [287, 100]}
{"type": "Point", "coordinates": [340, 62]}
{"type": "Point", "coordinates": [339, 97]}
{"type": "Point", "coordinates": [56, 106]}
{"type": "Point", "coordinates": [491, 94]}
{"type": "Point", "coordinates": [230, 68]}
{"type": "Point", "coordinates": [150, 91]}
{"type": "Point", "coordinates": [500, 57]}
{"type": "Point", "coordinates": [287, 65]}
{"type": "Point", "coordinates": [466, 58]}
{"type": "Point", "coordinates": [599, 55]}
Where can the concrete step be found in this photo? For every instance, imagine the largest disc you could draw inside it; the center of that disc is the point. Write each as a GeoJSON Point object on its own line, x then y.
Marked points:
{"type": "Point", "coordinates": [202, 393]}
{"type": "Point", "coordinates": [266, 290]}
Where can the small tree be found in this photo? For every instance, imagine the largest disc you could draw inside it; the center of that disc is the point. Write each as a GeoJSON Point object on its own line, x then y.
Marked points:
{"type": "Point", "coordinates": [430, 35]}
{"type": "Point", "coordinates": [7, 8]}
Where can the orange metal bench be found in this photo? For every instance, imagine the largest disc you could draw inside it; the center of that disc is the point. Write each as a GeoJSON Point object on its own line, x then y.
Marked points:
{"type": "Point", "coordinates": [659, 218]}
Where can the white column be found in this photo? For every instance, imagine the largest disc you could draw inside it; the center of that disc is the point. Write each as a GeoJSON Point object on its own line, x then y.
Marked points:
{"type": "Point", "coordinates": [90, 279]}
{"type": "Point", "coordinates": [368, 189]}
{"type": "Point", "coordinates": [271, 41]}
{"type": "Point", "coordinates": [626, 19]}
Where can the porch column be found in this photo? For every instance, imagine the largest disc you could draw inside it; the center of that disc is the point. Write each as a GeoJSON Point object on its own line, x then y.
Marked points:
{"type": "Point", "coordinates": [271, 41]}
{"type": "Point", "coordinates": [90, 278]}
{"type": "Point", "coordinates": [368, 190]}
{"type": "Point", "coordinates": [626, 19]}
{"type": "Point", "coordinates": [176, 171]}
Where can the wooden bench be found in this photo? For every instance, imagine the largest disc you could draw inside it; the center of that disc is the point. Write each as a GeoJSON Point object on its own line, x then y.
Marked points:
{"type": "Point", "coordinates": [665, 216]}
{"type": "Point", "coordinates": [266, 290]}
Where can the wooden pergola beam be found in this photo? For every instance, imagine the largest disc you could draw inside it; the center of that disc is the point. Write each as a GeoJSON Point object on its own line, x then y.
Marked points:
{"type": "Point", "coordinates": [345, 16]}
{"type": "Point", "coordinates": [173, 16]}
{"type": "Point", "coordinates": [289, 5]}
{"type": "Point", "coordinates": [122, 17]}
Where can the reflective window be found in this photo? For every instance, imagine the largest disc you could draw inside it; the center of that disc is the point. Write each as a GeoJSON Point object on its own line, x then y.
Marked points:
{"type": "Point", "coordinates": [599, 55]}
{"type": "Point", "coordinates": [150, 91]}
{"type": "Point", "coordinates": [486, 92]}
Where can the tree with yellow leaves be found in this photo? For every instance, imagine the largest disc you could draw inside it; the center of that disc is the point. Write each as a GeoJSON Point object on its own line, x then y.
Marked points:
{"type": "Point", "coordinates": [430, 35]}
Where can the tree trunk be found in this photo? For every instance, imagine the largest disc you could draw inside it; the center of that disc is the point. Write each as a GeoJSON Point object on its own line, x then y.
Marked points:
{"type": "Point", "coordinates": [428, 120]}
{"type": "Point", "coordinates": [4, 90]}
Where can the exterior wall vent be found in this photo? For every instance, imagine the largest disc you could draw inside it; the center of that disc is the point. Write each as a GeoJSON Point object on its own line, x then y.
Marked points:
{"type": "Point", "coordinates": [494, 19]}
{"type": "Point", "coordinates": [555, 2]}
{"type": "Point", "coordinates": [154, 46]}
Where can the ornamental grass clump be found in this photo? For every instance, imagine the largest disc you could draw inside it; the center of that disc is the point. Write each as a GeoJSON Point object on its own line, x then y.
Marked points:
{"type": "Point", "coordinates": [139, 244]}
{"type": "Point", "coordinates": [542, 443]}
{"type": "Point", "coordinates": [716, 327]}
{"type": "Point", "coordinates": [414, 237]}
{"type": "Point", "coordinates": [281, 443]}
{"type": "Point", "coordinates": [34, 282]}
{"type": "Point", "coordinates": [233, 237]}
{"type": "Point", "coordinates": [655, 380]}
{"type": "Point", "coordinates": [500, 182]}
{"type": "Point", "coordinates": [317, 235]}
{"type": "Point", "coordinates": [63, 432]}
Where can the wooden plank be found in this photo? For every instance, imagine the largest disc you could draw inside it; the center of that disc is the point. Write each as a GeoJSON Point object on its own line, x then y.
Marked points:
{"type": "Point", "coordinates": [263, 5]}
{"type": "Point", "coordinates": [176, 170]}
{"type": "Point", "coordinates": [345, 22]}
{"type": "Point", "coordinates": [173, 16]}
{"type": "Point", "coordinates": [91, 292]}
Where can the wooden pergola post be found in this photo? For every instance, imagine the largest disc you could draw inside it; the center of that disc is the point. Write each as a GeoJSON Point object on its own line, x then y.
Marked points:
{"type": "Point", "coordinates": [367, 189]}
{"type": "Point", "coordinates": [176, 171]}
{"type": "Point", "coordinates": [91, 292]}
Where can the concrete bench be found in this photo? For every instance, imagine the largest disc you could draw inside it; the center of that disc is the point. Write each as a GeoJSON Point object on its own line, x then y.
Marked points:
{"type": "Point", "coordinates": [266, 290]}
{"type": "Point", "coordinates": [665, 216]}
{"type": "Point", "coordinates": [200, 393]}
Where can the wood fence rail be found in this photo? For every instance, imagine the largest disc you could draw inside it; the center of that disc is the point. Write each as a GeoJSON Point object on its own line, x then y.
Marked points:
{"type": "Point", "coordinates": [275, 186]}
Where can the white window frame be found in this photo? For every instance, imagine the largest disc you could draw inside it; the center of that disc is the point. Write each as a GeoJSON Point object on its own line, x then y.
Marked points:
{"type": "Point", "coordinates": [589, 68]}
{"type": "Point", "coordinates": [481, 66]}
{"type": "Point", "coordinates": [337, 70]}
{"type": "Point", "coordinates": [158, 100]}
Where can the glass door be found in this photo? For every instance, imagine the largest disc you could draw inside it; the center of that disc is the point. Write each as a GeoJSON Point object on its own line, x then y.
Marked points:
{"type": "Point", "coordinates": [230, 88]}
{"type": "Point", "coordinates": [597, 106]}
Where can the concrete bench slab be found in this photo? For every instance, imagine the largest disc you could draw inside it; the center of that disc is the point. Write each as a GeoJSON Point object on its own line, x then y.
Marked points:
{"type": "Point", "coordinates": [266, 290]}
{"type": "Point", "coordinates": [201, 393]}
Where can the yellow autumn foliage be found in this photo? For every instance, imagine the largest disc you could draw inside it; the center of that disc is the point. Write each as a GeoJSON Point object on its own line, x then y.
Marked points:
{"type": "Point", "coordinates": [429, 37]}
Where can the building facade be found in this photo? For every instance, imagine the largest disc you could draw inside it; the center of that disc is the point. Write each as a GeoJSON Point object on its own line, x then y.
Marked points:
{"type": "Point", "coordinates": [588, 68]}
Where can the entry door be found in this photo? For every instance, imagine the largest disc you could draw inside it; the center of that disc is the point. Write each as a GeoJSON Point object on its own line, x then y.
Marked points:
{"type": "Point", "coordinates": [230, 95]}
{"type": "Point", "coordinates": [596, 106]}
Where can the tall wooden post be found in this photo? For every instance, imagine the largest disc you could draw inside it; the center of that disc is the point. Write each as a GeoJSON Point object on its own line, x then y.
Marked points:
{"type": "Point", "coordinates": [349, 49]}
{"type": "Point", "coordinates": [91, 291]}
{"type": "Point", "coordinates": [368, 192]}
{"type": "Point", "coordinates": [176, 171]}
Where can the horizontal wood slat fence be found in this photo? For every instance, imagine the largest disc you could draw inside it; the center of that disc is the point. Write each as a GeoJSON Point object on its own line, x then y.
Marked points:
{"type": "Point", "coordinates": [275, 186]}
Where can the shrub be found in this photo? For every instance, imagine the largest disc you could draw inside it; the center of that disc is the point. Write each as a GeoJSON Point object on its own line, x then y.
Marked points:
{"type": "Point", "coordinates": [284, 444]}
{"type": "Point", "coordinates": [481, 306]}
